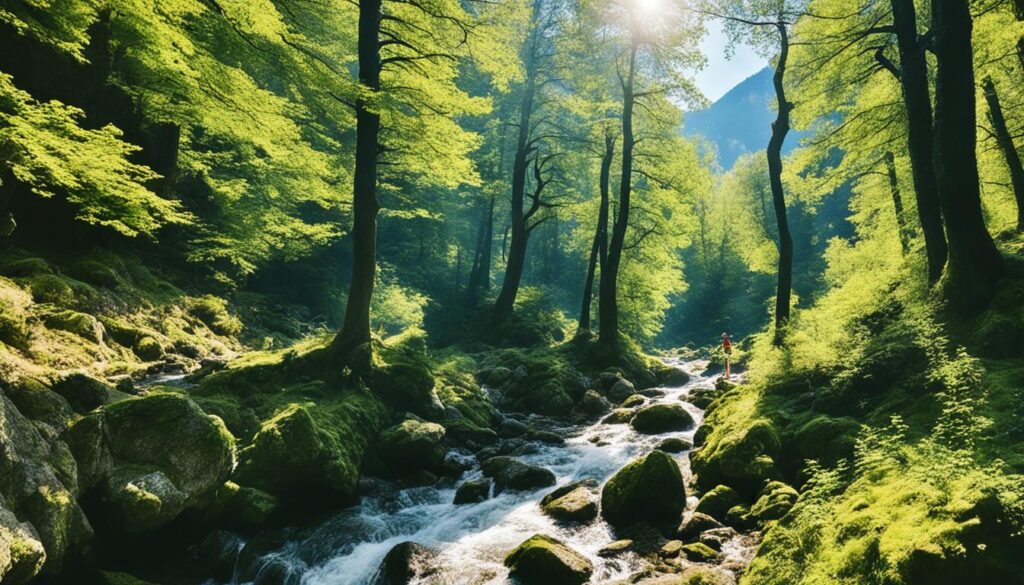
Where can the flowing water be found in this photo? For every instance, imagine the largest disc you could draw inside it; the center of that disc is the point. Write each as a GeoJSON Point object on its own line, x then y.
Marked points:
{"type": "Point", "coordinates": [472, 539]}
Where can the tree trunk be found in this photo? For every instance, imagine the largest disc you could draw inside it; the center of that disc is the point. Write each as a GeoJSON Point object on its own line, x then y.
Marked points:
{"type": "Point", "coordinates": [356, 329]}
{"type": "Point", "coordinates": [599, 249]}
{"type": "Point", "coordinates": [897, 203]}
{"type": "Point", "coordinates": [520, 234]}
{"type": "Point", "coordinates": [974, 264]}
{"type": "Point", "coordinates": [480, 274]}
{"type": "Point", "coordinates": [1005, 140]}
{"type": "Point", "coordinates": [920, 147]}
{"type": "Point", "coordinates": [779, 130]}
{"type": "Point", "coordinates": [608, 311]}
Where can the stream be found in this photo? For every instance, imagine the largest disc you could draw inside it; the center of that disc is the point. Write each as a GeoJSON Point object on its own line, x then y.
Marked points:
{"type": "Point", "coordinates": [471, 540]}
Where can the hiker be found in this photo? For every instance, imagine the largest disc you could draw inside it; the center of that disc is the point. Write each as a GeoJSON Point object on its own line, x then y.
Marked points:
{"type": "Point", "coordinates": [727, 349]}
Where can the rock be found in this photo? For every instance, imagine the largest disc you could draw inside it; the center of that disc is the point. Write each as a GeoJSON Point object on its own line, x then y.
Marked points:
{"type": "Point", "coordinates": [674, 445]}
{"type": "Point", "coordinates": [40, 404]}
{"type": "Point", "coordinates": [217, 554]}
{"type": "Point", "coordinates": [574, 502]}
{"type": "Point", "coordinates": [82, 392]}
{"type": "Point", "coordinates": [473, 491]}
{"type": "Point", "coordinates": [698, 522]}
{"type": "Point", "coordinates": [496, 377]}
{"type": "Point", "coordinates": [775, 501]}
{"type": "Point", "coordinates": [717, 502]}
{"type": "Point", "coordinates": [699, 552]}
{"type": "Point", "coordinates": [633, 401]}
{"type": "Point", "coordinates": [702, 397]}
{"type": "Point", "coordinates": [148, 349]}
{"type": "Point", "coordinates": [739, 516]}
{"type": "Point", "coordinates": [700, 436]}
{"type": "Point", "coordinates": [412, 445]}
{"type": "Point", "coordinates": [616, 548]}
{"type": "Point", "coordinates": [661, 418]}
{"type": "Point", "coordinates": [671, 549]}
{"type": "Point", "coordinates": [81, 324]}
{"type": "Point", "coordinates": [649, 489]}
{"type": "Point", "coordinates": [594, 404]}
{"type": "Point", "coordinates": [619, 416]}
{"type": "Point", "coordinates": [542, 560]}
{"type": "Point", "coordinates": [408, 386]}
{"type": "Point", "coordinates": [405, 562]}
{"type": "Point", "coordinates": [706, 576]}
{"type": "Point", "coordinates": [150, 458]}
{"type": "Point", "coordinates": [544, 436]}
{"type": "Point", "coordinates": [39, 510]}
{"type": "Point", "coordinates": [621, 390]}
{"type": "Point", "coordinates": [671, 376]}
{"type": "Point", "coordinates": [510, 473]}
{"type": "Point", "coordinates": [241, 507]}
{"type": "Point", "coordinates": [826, 439]}
{"type": "Point", "coordinates": [743, 460]}
{"type": "Point", "coordinates": [511, 427]}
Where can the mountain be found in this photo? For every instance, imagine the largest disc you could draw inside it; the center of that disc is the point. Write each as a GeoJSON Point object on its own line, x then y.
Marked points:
{"type": "Point", "coordinates": [741, 120]}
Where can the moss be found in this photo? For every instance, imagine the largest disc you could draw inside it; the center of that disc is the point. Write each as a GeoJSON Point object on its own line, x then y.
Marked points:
{"type": "Point", "coordinates": [81, 324]}
{"type": "Point", "coordinates": [95, 272]}
{"type": "Point", "coordinates": [661, 418]}
{"type": "Point", "coordinates": [213, 311]}
{"type": "Point", "coordinates": [718, 501]}
{"type": "Point", "coordinates": [649, 489]}
{"type": "Point", "coordinates": [148, 348]}
{"type": "Point", "coordinates": [699, 552]}
{"type": "Point", "coordinates": [740, 451]}
{"type": "Point", "coordinates": [50, 288]}
{"type": "Point", "coordinates": [542, 559]}
{"type": "Point", "coordinates": [412, 445]}
{"type": "Point", "coordinates": [775, 501]}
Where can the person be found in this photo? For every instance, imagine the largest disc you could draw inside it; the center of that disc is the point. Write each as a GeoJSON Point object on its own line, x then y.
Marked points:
{"type": "Point", "coordinates": [727, 350]}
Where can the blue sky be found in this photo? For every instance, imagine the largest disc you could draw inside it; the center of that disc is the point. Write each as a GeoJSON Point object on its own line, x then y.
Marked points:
{"type": "Point", "coordinates": [723, 74]}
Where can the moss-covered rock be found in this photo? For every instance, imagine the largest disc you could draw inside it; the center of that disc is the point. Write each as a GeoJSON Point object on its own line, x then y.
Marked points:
{"type": "Point", "coordinates": [25, 267]}
{"type": "Point", "coordinates": [40, 404]}
{"type": "Point", "coordinates": [718, 501]}
{"type": "Point", "coordinates": [826, 439]}
{"type": "Point", "coordinates": [695, 524]}
{"type": "Point", "coordinates": [633, 401]}
{"type": "Point", "coordinates": [241, 507]}
{"type": "Point", "coordinates": [148, 348]}
{"type": "Point", "coordinates": [408, 384]}
{"type": "Point", "coordinates": [84, 393]}
{"type": "Point", "coordinates": [81, 324]}
{"type": "Point", "coordinates": [661, 418]}
{"type": "Point", "coordinates": [473, 491]}
{"type": "Point", "coordinates": [674, 445]}
{"type": "Point", "coordinates": [412, 445]}
{"type": "Point", "coordinates": [666, 375]}
{"type": "Point", "coordinates": [21, 553]}
{"type": "Point", "coordinates": [594, 404]}
{"type": "Point", "coordinates": [574, 502]}
{"type": "Point", "coordinates": [213, 312]}
{"type": "Point", "coordinates": [50, 288]}
{"type": "Point", "coordinates": [148, 459]}
{"type": "Point", "coordinates": [619, 416]}
{"type": "Point", "coordinates": [775, 501]}
{"type": "Point", "coordinates": [615, 548]}
{"type": "Point", "coordinates": [621, 390]}
{"type": "Point", "coordinates": [706, 576]}
{"type": "Point", "coordinates": [699, 552]}
{"type": "Point", "coordinates": [405, 563]}
{"type": "Point", "coordinates": [510, 473]}
{"type": "Point", "coordinates": [743, 459]}
{"type": "Point", "coordinates": [542, 560]}
{"type": "Point", "coordinates": [649, 489]}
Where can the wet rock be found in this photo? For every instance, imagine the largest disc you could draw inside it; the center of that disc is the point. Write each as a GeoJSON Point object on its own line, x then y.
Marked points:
{"type": "Point", "coordinates": [473, 491]}
{"type": "Point", "coordinates": [775, 501]}
{"type": "Point", "coordinates": [241, 507]}
{"type": "Point", "coordinates": [671, 549]}
{"type": "Point", "coordinates": [714, 541]}
{"type": "Point", "coordinates": [594, 404]}
{"type": "Point", "coordinates": [412, 445]}
{"type": "Point", "coordinates": [605, 380]}
{"type": "Point", "coordinates": [405, 562]}
{"type": "Point", "coordinates": [619, 416]}
{"type": "Point", "coordinates": [217, 554]}
{"type": "Point", "coordinates": [698, 522]}
{"type": "Point", "coordinates": [621, 390]}
{"type": "Point", "coordinates": [574, 502]}
{"type": "Point", "coordinates": [543, 436]}
{"type": "Point", "coordinates": [718, 501]}
{"type": "Point", "coordinates": [510, 473]}
{"type": "Point", "coordinates": [699, 552]}
{"type": "Point", "coordinates": [661, 418]}
{"type": "Point", "coordinates": [671, 376]}
{"type": "Point", "coordinates": [511, 427]}
{"type": "Point", "coordinates": [649, 489]}
{"type": "Point", "coordinates": [616, 548]}
{"type": "Point", "coordinates": [650, 393]}
{"type": "Point", "coordinates": [674, 445]}
{"type": "Point", "coordinates": [700, 436]}
{"type": "Point", "coordinates": [82, 392]}
{"type": "Point", "coordinates": [702, 397]}
{"type": "Point", "coordinates": [542, 560]}
{"type": "Point", "coordinates": [633, 401]}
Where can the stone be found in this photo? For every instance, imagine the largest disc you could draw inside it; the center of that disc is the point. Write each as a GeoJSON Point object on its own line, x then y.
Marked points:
{"type": "Point", "coordinates": [671, 549]}
{"type": "Point", "coordinates": [473, 491]}
{"type": "Point", "coordinates": [542, 560]}
{"type": "Point", "coordinates": [692, 527]}
{"type": "Point", "coordinates": [706, 576]}
{"type": "Point", "coordinates": [616, 548]}
{"type": "Point", "coordinates": [497, 376]}
{"type": "Point", "coordinates": [633, 401]}
{"type": "Point", "coordinates": [674, 445]}
{"type": "Point", "coordinates": [412, 445]}
{"type": "Point", "coordinates": [717, 502]}
{"type": "Point", "coordinates": [513, 474]}
{"type": "Point", "coordinates": [84, 393]}
{"type": "Point", "coordinates": [672, 376]}
{"type": "Point", "coordinates": [649, 489]}
{"type": "Point", "coordinates": [81, 324]}
{"type": "Point", "coordinates": [619, 416]}
{"type": "Point", "coordinates": [405, 562]}
{"type": "Point", "coordinates": [217, 554]}
{"type": "Point", "coordinates": [775, 501]}
{"type": "Point", "coordinates": [574, 502]}
{"type": "Point", "coordinates": [661, 418]}
{"type": "Point", "coordinates": [594, 404]}
{"type": "Point", "coordinates": [21, 553]}
{"type": "Point", "coordinates": [148, 349]}
{"type": "Point", "coordinates": [621, 390]}
{"type": "Point", "coordinates": [699, 552]}
{"type": "Point", "coordinates": [511, 427]}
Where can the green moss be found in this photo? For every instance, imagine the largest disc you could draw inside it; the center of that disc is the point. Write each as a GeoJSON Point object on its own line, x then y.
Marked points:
{"type": "Point", "coordinates": [699, 552]}
{"type": "Point", "coordinates": [50, 288]}
{"type": "Point", "coordinates": [213, 311]}
{"type": "Point", "coordinates": [81, 324]}
{"type": "Point", "coordinates": [661, 418]}
{"type": "Point", "coordinates": [649, 489]}
{"type": "Point", "coordinates": [25, 267]}
{"type": "Point", "coordinates": [542, 559]}
{"type": "Point", "coordinates": [95, 272]}
{"type": "Point", "coordinates": [148, 348]}
{"type": "Point", "coordinates": [718, 501]}
{"type": "Point", "coordinates": [740, 451]}
{"type": "Point", "coordinates": [775, 501]}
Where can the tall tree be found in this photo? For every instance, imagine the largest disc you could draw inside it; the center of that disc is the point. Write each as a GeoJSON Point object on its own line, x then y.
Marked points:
{"type": "Point", "coordinates": [1006, 145]}
{"type": "Point", "coordinates": [599, 249]}
{"type": "Point", "coordinates": [974, 265]}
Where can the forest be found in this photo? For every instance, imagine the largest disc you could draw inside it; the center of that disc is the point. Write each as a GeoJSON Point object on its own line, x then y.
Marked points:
{"type": "Point", "coordinates": [467, 292]}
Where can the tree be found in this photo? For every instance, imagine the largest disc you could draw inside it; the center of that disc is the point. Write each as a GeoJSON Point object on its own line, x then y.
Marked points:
{"type": "Point", "coordinates": [1005, 141]}
{"type": "Point", "coordinates": [974, 264]}
{"type": "Point", "coordinates": [599, 249]}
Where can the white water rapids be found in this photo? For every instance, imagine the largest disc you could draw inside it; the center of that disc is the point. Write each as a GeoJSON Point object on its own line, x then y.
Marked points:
{"type": "Point", "coordinates": [471, 540]}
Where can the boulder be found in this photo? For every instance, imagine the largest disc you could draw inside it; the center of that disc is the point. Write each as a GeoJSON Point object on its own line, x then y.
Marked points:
{"type": "Point", "coordinates": [661, 418]}
{"type": "Point", "coordinates": [242, 507]}
{"type": "Point", "coordinates": [473, 491]}
{"type": "Point", "coordinates": [41, 523]}
{"type": "Point", "coordinates": [718, 501]}
{"type": "Point", "coordinates": [671, 376]}
{"type": "Point", "coordinates": [699, 552]}
{"type": "Point", "coordinates": [621, 390]}
{"type": "Point", "coordinates": [674, 445]}
{"type": "Point", "coordinates": [594, 404]}
{"type": "Point", "coordinates": [574, 502]}
{"type": "Point", "coordinates": [671, 549]}
{"type": "Point", "coordinates": [826, 439]}
{"type": "Point", "coordinates": [82, 392]}
{"type": "Point", "coordinates": [513, 474]}
{"type": "Point", "coordinates": [81, 324]}
{"type": "Point", "coordinates": [619, 416]}
{"type": "Point", "coordinates": [616, 548]}
{"type": "Point", "coordinates": [148, 459]}
{"type": "Point", "coordinates": [633, 401]}
{"type": "Point", "coordinates": [649, 489]}
{"type": "Point", "coordinates": [148, 349]}
{"type": "Point", "coordinates": [706, 576]}
{"type": "Point", "coordinates": [698, 522]}
{"type": "Point", "coordinates": [38, 403]}
{"type": "Point", "coordinates": [744, 460]}
{"type": "Point", "coordinates": [775, 501]}
{"type": "Point", "coordinates": [405, 562]}
{"type": "Point", "coordinates": [412, 445]}
{"type": "Point", "coordinates": [217, 554]}
{"type": "Point", "coordinates": [542, 560]}
{"type": "Point", "coordinates": [495, 377]}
